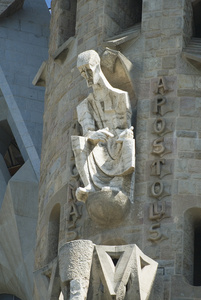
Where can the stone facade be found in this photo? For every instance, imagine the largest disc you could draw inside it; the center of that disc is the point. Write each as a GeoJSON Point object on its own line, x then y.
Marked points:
{"type": "Point", "coordinates": [151, 50]}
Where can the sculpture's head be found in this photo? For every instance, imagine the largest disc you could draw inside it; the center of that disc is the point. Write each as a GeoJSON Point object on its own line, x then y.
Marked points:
{"type": "Point", "coordinates": [88, 63]}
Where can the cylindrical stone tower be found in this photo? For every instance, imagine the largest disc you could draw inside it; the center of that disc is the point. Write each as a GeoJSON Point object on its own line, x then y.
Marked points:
{"type": "Point", "coordinates": [150, 49]}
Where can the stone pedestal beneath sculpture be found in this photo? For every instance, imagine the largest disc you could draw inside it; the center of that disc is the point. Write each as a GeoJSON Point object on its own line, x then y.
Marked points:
{"type": "Point", "coordinates": [97, 272]}
{"type": "Point", "coordinates": [75, 259]}
{"type": "Point", "coordinates": [108, 208]}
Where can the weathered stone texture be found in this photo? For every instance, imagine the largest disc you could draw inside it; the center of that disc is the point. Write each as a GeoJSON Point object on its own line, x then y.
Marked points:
{"type": "Point", "coordinates": [168, 92]}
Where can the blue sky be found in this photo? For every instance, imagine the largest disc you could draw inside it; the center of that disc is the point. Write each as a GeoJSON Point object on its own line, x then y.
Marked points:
{"type": "Point", "coordinates": [48, 3]}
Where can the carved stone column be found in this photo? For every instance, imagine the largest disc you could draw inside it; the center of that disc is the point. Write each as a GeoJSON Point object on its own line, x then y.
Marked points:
{"type": "Point", "coordinates": [75, 260]}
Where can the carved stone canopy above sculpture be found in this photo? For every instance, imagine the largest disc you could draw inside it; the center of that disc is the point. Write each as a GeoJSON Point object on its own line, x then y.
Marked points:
{"type": "Point", "coordinates": [105, 154]}
{"type": "Point", "coordinates": [118, 71]}
{"type": "Point", "coordinates": [9, 7]}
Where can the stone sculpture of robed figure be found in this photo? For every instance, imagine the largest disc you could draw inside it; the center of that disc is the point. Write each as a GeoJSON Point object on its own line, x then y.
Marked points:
{"type": "Point", "coordinates": [105, 154]}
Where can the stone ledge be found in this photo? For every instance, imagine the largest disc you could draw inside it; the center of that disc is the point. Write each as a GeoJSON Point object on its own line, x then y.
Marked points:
{"type": "Point", "coordinates": [127, 35]}
{"type": "Point", "coordinates": [9, 7]}
{"type": "Point", "coordinates": [61, 53]}
{"type": "Point", "coordinates": [40, 78]}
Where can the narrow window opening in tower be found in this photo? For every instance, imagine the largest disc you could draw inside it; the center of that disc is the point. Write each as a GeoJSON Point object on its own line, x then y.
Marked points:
{"type": "Point", "coordinates": [192, 246]}
{"type": "Point", "coordinates": [121, 15]}
{"type": "Point", "coordinates": [53, 233]}
{"type": "Point", "coordinates": [66, 20]}
{"type": "Point", "coordinates": [197, 257]}
{"type": "Point", "coordinates": [132, 11]}
{"type": "Point", "coordinates": [197, 18]}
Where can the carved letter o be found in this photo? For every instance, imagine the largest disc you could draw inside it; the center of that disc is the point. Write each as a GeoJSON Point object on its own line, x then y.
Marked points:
{"type": "Point", "coordinates": [157, 189]}
{"type": "Point", "coordinates": [159, 125]}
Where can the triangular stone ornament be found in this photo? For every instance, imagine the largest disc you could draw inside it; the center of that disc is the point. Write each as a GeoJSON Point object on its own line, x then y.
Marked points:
{"type": "Point", "coordinates": [115, 258]}
{"type": "Point", "coordinates": [132, 266]}
{"type": "Point", "coordinates": [143, 263]}
{"type": "Point", "coordinates": [113, 276]}
{"type": "Point", "coordinates": [146, 273]}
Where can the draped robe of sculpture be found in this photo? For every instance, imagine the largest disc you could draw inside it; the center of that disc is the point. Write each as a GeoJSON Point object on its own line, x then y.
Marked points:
{"type": "Point", "coordinates": [104, 155]}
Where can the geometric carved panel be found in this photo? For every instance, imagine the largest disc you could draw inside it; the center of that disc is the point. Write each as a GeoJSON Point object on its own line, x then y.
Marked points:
{"type": "Point", "coordinates": [126, 272]}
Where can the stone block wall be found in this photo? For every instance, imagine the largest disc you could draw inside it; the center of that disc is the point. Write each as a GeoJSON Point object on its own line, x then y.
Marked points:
{"type": "Point", "coordinates": [167, 174]}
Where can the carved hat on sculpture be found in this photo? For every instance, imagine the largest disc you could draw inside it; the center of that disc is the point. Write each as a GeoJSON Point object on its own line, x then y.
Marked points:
{"type": "Point", "coordinates": [89, 57]}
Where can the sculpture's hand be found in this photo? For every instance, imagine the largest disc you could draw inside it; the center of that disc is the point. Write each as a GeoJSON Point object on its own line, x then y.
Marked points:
{"type": "Point", "coordinates": [126, 134]}
{"type": "Point", "coordinates": [100, 135]}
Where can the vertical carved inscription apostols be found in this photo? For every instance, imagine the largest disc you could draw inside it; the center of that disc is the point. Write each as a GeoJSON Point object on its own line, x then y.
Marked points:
{"type": "Point", "coordinates": [159, 167]}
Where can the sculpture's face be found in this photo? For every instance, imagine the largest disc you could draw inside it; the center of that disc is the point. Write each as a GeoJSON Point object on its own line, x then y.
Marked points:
{"type": "Point", "coordinates": [87, 73]}
{"type": "Point", "coordinates": [90, 73]}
